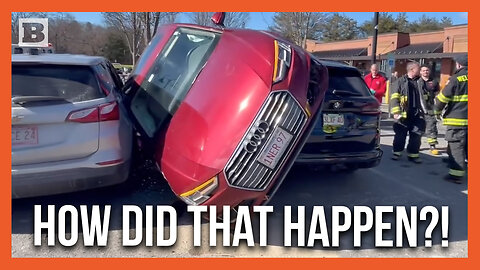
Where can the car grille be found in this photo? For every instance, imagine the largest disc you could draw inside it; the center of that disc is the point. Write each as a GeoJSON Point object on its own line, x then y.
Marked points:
{"type": "Point", "coordinates": [279, 110]}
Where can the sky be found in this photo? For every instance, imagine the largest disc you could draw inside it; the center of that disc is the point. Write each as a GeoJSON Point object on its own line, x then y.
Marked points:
{"type": "Point", "coordinates": [262, 20]}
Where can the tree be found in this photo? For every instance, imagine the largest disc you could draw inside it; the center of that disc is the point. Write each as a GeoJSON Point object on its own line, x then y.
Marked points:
{"type": "Point", "coordinates": [426, 23]}
{"type": "Point", "coordinates": [232, 19]}
{"type": "Point", "coordinates": [386, 24]}
{"type": "Point", "coordinates": [130, 25]}
{"type": "Point", "coordinates": [115, 48]}
{"type": "Point", "coordinates": [298, 26]}
{"type": "Point", "coordinates": [151, 21]}
{"type": "Point", "coordinates": [339, 27]}
{"type": "Point", "coordinates": [402, 22]}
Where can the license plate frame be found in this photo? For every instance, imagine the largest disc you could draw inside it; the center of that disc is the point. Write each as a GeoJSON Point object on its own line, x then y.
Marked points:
{"type": "Point", "coordinates": [275, 148]}
{"type": "Point", "coordinates": [25, 135]}
{"type": "Point", "coordinates": [333, 119]}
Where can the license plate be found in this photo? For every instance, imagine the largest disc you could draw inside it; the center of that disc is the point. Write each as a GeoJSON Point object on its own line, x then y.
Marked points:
{"type": "Point", "coordinates": [275, 147]}
{"type": "Point", "coordinates": [333, 119]}
{"type": "Point", "coordinates": [24, 135]}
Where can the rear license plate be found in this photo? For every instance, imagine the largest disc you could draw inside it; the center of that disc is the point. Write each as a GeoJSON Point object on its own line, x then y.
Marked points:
{"type": "Point", "coordinates": [275, 148]}
{"type": "Point", "coordinates": [333, 119]}
{"type": "Point", "coordinates": [24, 135]}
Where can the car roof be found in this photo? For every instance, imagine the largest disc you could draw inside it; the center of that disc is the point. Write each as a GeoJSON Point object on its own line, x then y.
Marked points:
{"type": "Point", "coordinates": [334, 64]}
{"type": "Point", "coordinates": [58, 59]}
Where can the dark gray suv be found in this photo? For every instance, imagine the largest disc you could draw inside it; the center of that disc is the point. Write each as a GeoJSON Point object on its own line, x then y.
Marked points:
{"type": "Point", "coordinates": [348, 132]}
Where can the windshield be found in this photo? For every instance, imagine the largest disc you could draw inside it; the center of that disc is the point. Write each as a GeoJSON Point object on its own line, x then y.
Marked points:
{"type": "Point", "coordinates": [347, 81]}
{"type": "Point", "coordinates": [171, 76]}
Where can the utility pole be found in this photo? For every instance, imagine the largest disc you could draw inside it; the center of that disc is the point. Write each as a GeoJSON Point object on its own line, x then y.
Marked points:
{"type": "Point", "coordinates": [375, 35]}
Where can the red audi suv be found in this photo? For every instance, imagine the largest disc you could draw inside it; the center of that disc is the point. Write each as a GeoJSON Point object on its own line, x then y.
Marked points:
{"type": "Point", "coordinates": [224, 112]}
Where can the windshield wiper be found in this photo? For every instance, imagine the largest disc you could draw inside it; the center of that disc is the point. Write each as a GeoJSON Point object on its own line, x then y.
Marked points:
{"type": "Point", "coordinates": [28, 99]}
{"type": "Point", "coordinates": [345, 93]}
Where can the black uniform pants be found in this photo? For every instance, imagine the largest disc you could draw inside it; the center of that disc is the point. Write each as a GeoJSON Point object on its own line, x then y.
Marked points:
{"type": "Point", "coordinates": [414, 127]}
{"type": "Point", "coordinates": [431, 130]}
{"type": "Point", "coordinates": [457, 150]}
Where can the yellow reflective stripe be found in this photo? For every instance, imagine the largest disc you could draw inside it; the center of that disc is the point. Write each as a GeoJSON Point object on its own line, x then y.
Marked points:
{"type": "Point", "coordinates": [443, 98]}
{"type": "Point", "coordinates": [413, 155]}
{"type": "Point", "coordinates": [458, 173]}
{"type": "Point", "coordinates": [394, 95]}
{"type": "Point", "coordinates": [404, 114]}
{"type": "Point", "coordinates": [397, 153]}
{"type": "Point", "coordinates": [431, 140]}
{"type": "Point", "coordinates": [396, 109]}
{"type": "Point", "coordinates": [455, 122]}
{"type": "Point", "coordinates": [460, 98]}
{"type": "Point", "coordinates": [462, 78]}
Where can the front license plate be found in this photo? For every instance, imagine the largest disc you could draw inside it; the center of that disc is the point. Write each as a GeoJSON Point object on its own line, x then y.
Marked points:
{"type": "Point", "coordinates": [24, 135]}
{"type": "Point", "coordinates": [275, 148]}
{"type": "Point", "coordinates": [333, 119]}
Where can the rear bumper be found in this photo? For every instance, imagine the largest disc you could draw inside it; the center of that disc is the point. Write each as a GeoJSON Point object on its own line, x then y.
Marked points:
{"type": "Point", "coordinates": [32, 184]}
{"type": "Point", "coordinates": [369, 159]}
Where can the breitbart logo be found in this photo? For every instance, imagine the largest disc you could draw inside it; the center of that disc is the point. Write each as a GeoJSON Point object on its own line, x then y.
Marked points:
{"type": "Point", "coordinates": [33, 32]}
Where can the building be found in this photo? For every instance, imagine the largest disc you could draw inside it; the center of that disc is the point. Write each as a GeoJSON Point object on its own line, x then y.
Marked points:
{"type": "Point", "coordinates": [436, 49]}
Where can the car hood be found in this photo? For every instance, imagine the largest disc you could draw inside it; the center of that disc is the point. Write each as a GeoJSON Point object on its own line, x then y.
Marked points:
{"type": "Point", "coordinates": [217, 111]}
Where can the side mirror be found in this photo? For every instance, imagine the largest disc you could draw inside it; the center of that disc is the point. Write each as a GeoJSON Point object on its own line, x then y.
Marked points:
{"type": "Point", "coordinates": [218, 18]}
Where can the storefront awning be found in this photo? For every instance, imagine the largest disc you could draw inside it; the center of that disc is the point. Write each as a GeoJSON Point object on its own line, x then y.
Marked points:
{"type": "Point", "coordinates": [347, 54]}
{"type": "Point", "coordinates": [422, 48]}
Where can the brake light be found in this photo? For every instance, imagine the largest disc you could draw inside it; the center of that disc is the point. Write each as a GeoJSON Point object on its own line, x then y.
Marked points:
{"type": "Point", "coordinates": [104, 112]}
{"type": "Point", "coordinates": [89, 115]}
{"type": "Point", "coordinates": [109, 112]}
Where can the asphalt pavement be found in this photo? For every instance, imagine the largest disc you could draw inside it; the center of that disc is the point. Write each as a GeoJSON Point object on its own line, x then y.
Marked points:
{"type": "Point", "coordinates": [392, 183]}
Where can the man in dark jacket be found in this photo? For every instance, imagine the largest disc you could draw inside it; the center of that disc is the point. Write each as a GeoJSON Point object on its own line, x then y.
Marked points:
{"type": "Point", "coordinates": [453, 99]}
{"type": "Point", "coordinates": [408, 109]}
{"type": "Point", "coordinates": [430, 89]}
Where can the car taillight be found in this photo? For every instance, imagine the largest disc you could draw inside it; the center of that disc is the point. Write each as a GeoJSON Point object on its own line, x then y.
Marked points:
{"type": "Point", "coordinates": [109, 111]}
{"type": "Point", "coordinates": [89, 115]}
{"type": "Point", "coordinates": [104, 112]}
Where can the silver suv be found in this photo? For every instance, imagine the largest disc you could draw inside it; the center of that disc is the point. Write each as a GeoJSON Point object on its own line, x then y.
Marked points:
{"type": "Point", "coordinates": [69, 129]}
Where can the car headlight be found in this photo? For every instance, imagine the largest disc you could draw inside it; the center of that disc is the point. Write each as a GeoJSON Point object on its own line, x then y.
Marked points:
{"type": "Point", "coordinates": [283, 58]}
{"type": "Point", "coordinates": [201, 193]}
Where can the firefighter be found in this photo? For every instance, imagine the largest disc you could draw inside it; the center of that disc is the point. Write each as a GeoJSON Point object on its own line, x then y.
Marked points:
{"type": "Point", "coordinates": [408, 109]}
{"type": "Point", "coordinates": [453, 101]}
{"type": "Point", "coordinates": [430, 89]}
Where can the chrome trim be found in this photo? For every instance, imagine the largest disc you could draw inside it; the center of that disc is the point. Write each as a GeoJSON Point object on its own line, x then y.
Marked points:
{"type": "Point", "coordinates": [242, 170]}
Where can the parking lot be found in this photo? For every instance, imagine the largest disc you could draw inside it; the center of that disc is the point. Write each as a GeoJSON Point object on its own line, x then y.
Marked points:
{"type": "Point", "coordinates": [391, 183]}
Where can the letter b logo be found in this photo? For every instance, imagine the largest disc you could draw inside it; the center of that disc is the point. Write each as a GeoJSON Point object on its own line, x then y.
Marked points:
{"type": "Point", "coordinates": [33, 32]}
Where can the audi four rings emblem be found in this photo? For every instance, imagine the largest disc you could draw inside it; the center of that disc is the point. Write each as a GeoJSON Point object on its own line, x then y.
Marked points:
{"type": "Point", "coordinates": [256, 138]}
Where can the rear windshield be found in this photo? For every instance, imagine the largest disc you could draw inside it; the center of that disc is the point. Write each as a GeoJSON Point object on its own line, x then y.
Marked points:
{"type": "Point", "coordinates": [167, 82]}
{"type": "Point", "coordinates": [347, 80]}
{"type": "Point", "coordinates": [72, 83]}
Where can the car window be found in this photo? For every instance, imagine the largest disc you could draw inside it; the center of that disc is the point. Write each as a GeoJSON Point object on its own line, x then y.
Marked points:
{"type": "Point", "coordinates": [168, 80]}
{"type": "Point", "coordinates": [347, 80]}
{"type": "Point", "coordinates": [72, 83]}
{"type": "Point", "coordinates": [116, 79]}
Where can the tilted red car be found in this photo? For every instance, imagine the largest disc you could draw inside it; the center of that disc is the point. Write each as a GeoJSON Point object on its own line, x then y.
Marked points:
{"type": "Point", "coordinates": [224, 112]}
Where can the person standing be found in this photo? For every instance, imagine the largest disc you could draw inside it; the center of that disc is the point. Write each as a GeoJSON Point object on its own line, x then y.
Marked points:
{"type": "Point", "coordinates": [454, 100]}
{"type": "Point", "coordinates": [408, 109]}
{"type": "Point", "coordinates": [376, 82]}
{"type": "Point", "coordinates": [430, 89]}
